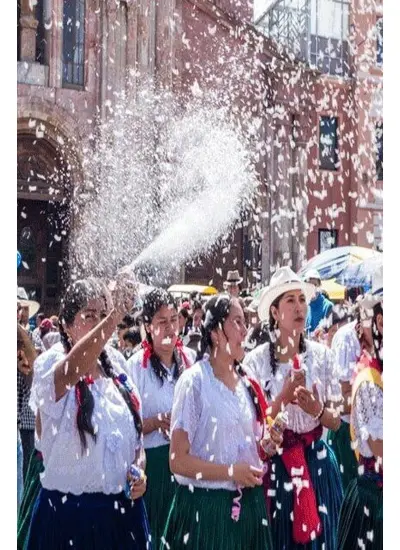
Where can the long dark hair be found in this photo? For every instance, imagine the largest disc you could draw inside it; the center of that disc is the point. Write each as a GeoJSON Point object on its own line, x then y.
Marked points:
{"type": "Point", "coordinates": [377, 337]}
{"type": "Point", "coordinates": [273, 327]}
{"type": "Point", "coordinates": [76, 298]}
{"type": "Point", "coordinates": [152, 304]}
{"type": "Point", "coordinates": [216, 312]}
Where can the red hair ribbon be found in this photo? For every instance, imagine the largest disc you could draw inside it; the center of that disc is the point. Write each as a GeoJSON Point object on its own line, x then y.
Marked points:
{"type": "Point", "coordinates": [179, 347]}
{"type": "Point", "coordinates": [147, 352]}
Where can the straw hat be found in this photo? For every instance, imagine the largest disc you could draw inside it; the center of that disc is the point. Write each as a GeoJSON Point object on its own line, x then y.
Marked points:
{"type": "Point", "coordinates": [282, 281]}
{"type": "Point", "coordinates": [233, 277]}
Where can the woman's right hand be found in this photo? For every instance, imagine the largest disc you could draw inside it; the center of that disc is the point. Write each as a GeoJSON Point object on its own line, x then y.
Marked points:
{"type": "Point", "coordinates": [123, 292]}
{"type": "Point", "coordinates": [245, 475]}
{"type": "Point", "coordinates": [292, 381]}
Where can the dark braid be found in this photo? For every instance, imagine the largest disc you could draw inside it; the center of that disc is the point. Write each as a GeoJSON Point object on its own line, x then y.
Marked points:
{"type": "Point", "coordinates": [377, 337]}
{"type": "Point", "coordinates": [76, 298]}
{"type": "Point", "coordinates": [108, 370]}
{"type": "Point", "coordinates": [254, 397]}
{"type": "Point", "coordinates": [84, 398]}
{"type": "Point", "coordinates": [152, 303]}
{"type": "Point", "coordinates": [273, 337]}
{"type": "Point", "coordinates": [157, 366]}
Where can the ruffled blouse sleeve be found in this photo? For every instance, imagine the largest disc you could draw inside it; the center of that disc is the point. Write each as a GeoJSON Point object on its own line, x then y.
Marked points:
{"type": "Point", "coordinates": [43, 394]}
{"type": "Point", "coordinates": [186, 409]}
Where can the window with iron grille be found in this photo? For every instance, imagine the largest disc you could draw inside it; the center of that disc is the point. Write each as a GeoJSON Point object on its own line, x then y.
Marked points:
{"type": "Point", "coordinates": [40, 33]}
{"type": "Point", "coordinates": [73, 42]}
{"type": "Point", "coordinates": [328, 143]}
{"type": "Point", "coordinates": [379, 41]}
{"type": "Point", "coordinates": [329, 27]}
{"type": "Point", "coordinates": [379, 150]}
{"type": "Point", "coordinates": [316, 31]}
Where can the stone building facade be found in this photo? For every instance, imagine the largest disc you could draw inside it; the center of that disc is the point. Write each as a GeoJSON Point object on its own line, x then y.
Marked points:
{"type": "Point", "coordinates": [73, 56]}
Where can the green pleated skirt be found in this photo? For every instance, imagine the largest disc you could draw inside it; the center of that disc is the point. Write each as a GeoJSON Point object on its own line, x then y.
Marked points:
{"type": "Point", "coordinates": [325, 477]}
{"type": "Point", "coordinates": [32, 487]}
{"type": "Point", "coordinates": [340, 442]}
{"type": "Point", "coordinates": [201, 520]}
{"type": "Point", "coordinates": [361, 516]}
{"type": "Point", "coordinates": [160, 490]}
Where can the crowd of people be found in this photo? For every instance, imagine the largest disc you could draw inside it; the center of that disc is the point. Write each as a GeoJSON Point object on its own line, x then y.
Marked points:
{"type": "Point", "coordinates": [201, 423]}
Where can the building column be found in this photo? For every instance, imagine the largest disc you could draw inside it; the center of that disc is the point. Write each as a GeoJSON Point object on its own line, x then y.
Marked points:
{"type": "Point", "coordinates": [29, 25]}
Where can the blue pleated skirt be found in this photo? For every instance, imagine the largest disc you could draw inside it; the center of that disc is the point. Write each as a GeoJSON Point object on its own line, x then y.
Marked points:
{"type": "Point", "coordinates": [91, 521]}
{"type": "Point", "coordinates": [327, 483]}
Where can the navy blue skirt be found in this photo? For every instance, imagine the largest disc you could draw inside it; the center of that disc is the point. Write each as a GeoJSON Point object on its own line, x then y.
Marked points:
{"type": "Point", "coordinates": [325, 476]}
{"type": "Point", "coordinates": [91, 521]}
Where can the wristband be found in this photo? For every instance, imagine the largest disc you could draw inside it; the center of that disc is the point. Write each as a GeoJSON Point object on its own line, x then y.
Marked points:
{"type": "Point", "coordinates": [321, 412]}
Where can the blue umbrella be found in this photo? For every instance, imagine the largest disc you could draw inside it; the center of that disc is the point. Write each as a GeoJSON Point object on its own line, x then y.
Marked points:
{"type": "Point", "coordinates": [360, 274]}
{"type": "Point", "coordinates": [331, 263]}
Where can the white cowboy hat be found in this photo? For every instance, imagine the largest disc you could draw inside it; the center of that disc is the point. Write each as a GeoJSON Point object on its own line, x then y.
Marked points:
{"type": "Point", "coordinates": [282, 281]}
{"type": "Point", "coordinates": [23, 300]}
{"type": "Point", "coordinates": [233, 277]}
{"type": "Point", "coordinates": [311, 274]}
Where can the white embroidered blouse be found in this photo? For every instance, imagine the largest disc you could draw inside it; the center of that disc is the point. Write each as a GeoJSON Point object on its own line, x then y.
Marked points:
{"type": "Point", "coordinates": [156, 397]}
{"type": "Point", "coordinates": [220, 423]}
{"type": "Point", "coordinates": [347, 350]}
{"type": "Point", "coordinates": [367, 416]}
{"type": "Point", "coordinates": [320, 368]}
{"type": "Point", "coordinates": [103, 466]}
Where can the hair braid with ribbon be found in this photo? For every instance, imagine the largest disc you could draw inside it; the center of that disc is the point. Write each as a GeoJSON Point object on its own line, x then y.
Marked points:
{"type": "Point", "coordinates": [273, 327]}
{"type": "Point", "coordinates": [377, 337]}
{"type": "Point", "coordinates": [153, 302]}
{"type": "Point", "coordinates": [216, 312]}
{"type": "Point", "coordinates": [76, 299]}
{"type": "Point", "coordinates": [84, 399]}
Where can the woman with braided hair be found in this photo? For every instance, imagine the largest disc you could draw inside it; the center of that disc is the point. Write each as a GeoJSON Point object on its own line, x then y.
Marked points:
{"type": "Point", "coordinates": [91, 431]}
{"type": "Point", "coordinates": [217, 424]}
{"type": "Point", "coordinates": [361, 515]}
{"type": "Point", "coordinates": [155, 369]}
{"type": "Point", "coordinates": [303, 486]}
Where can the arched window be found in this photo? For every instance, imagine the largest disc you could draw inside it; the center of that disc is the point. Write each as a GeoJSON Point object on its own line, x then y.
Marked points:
{"type": "Point", "coordinates": [73, 42]}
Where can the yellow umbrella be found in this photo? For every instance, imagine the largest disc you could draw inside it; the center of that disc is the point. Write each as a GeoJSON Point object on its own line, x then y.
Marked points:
{"type": "Point", "coordinates": [334, 290]}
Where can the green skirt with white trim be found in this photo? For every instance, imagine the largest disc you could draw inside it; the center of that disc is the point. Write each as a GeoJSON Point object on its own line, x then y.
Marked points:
{"type": "Point", "coordinates": [361, 516]}
{"type": "Point", "coordinates": [160, 490]}
{"type": "Point", "coordinates": [32, 487]}
{"type": "Point", "coordinates": [201, 520]}
{"type": "Point", "coordinates": [340, 443]}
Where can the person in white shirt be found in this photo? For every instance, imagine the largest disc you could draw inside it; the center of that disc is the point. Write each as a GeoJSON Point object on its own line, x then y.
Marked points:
{"type": "Point", "coordinates": [217, 427]}
{"type": "Point", "coordinates": [361, 514]}
{"type": "Point", "coordinates": [299, 376]}
{"type": "Point", "coordinates": [155, 369]}
{"type": "Point", "coordinates": [90, 431]}
{"type": "Point", "coordinates": [347, 346]}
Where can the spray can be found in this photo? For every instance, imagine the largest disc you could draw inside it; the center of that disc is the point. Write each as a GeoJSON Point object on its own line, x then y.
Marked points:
{"type": "Point", "coordinates": [297, 367]}
{"type": "Point", "coordinates": [135, 475]}
{"type": "Point", "coordinates": [280, 423]}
